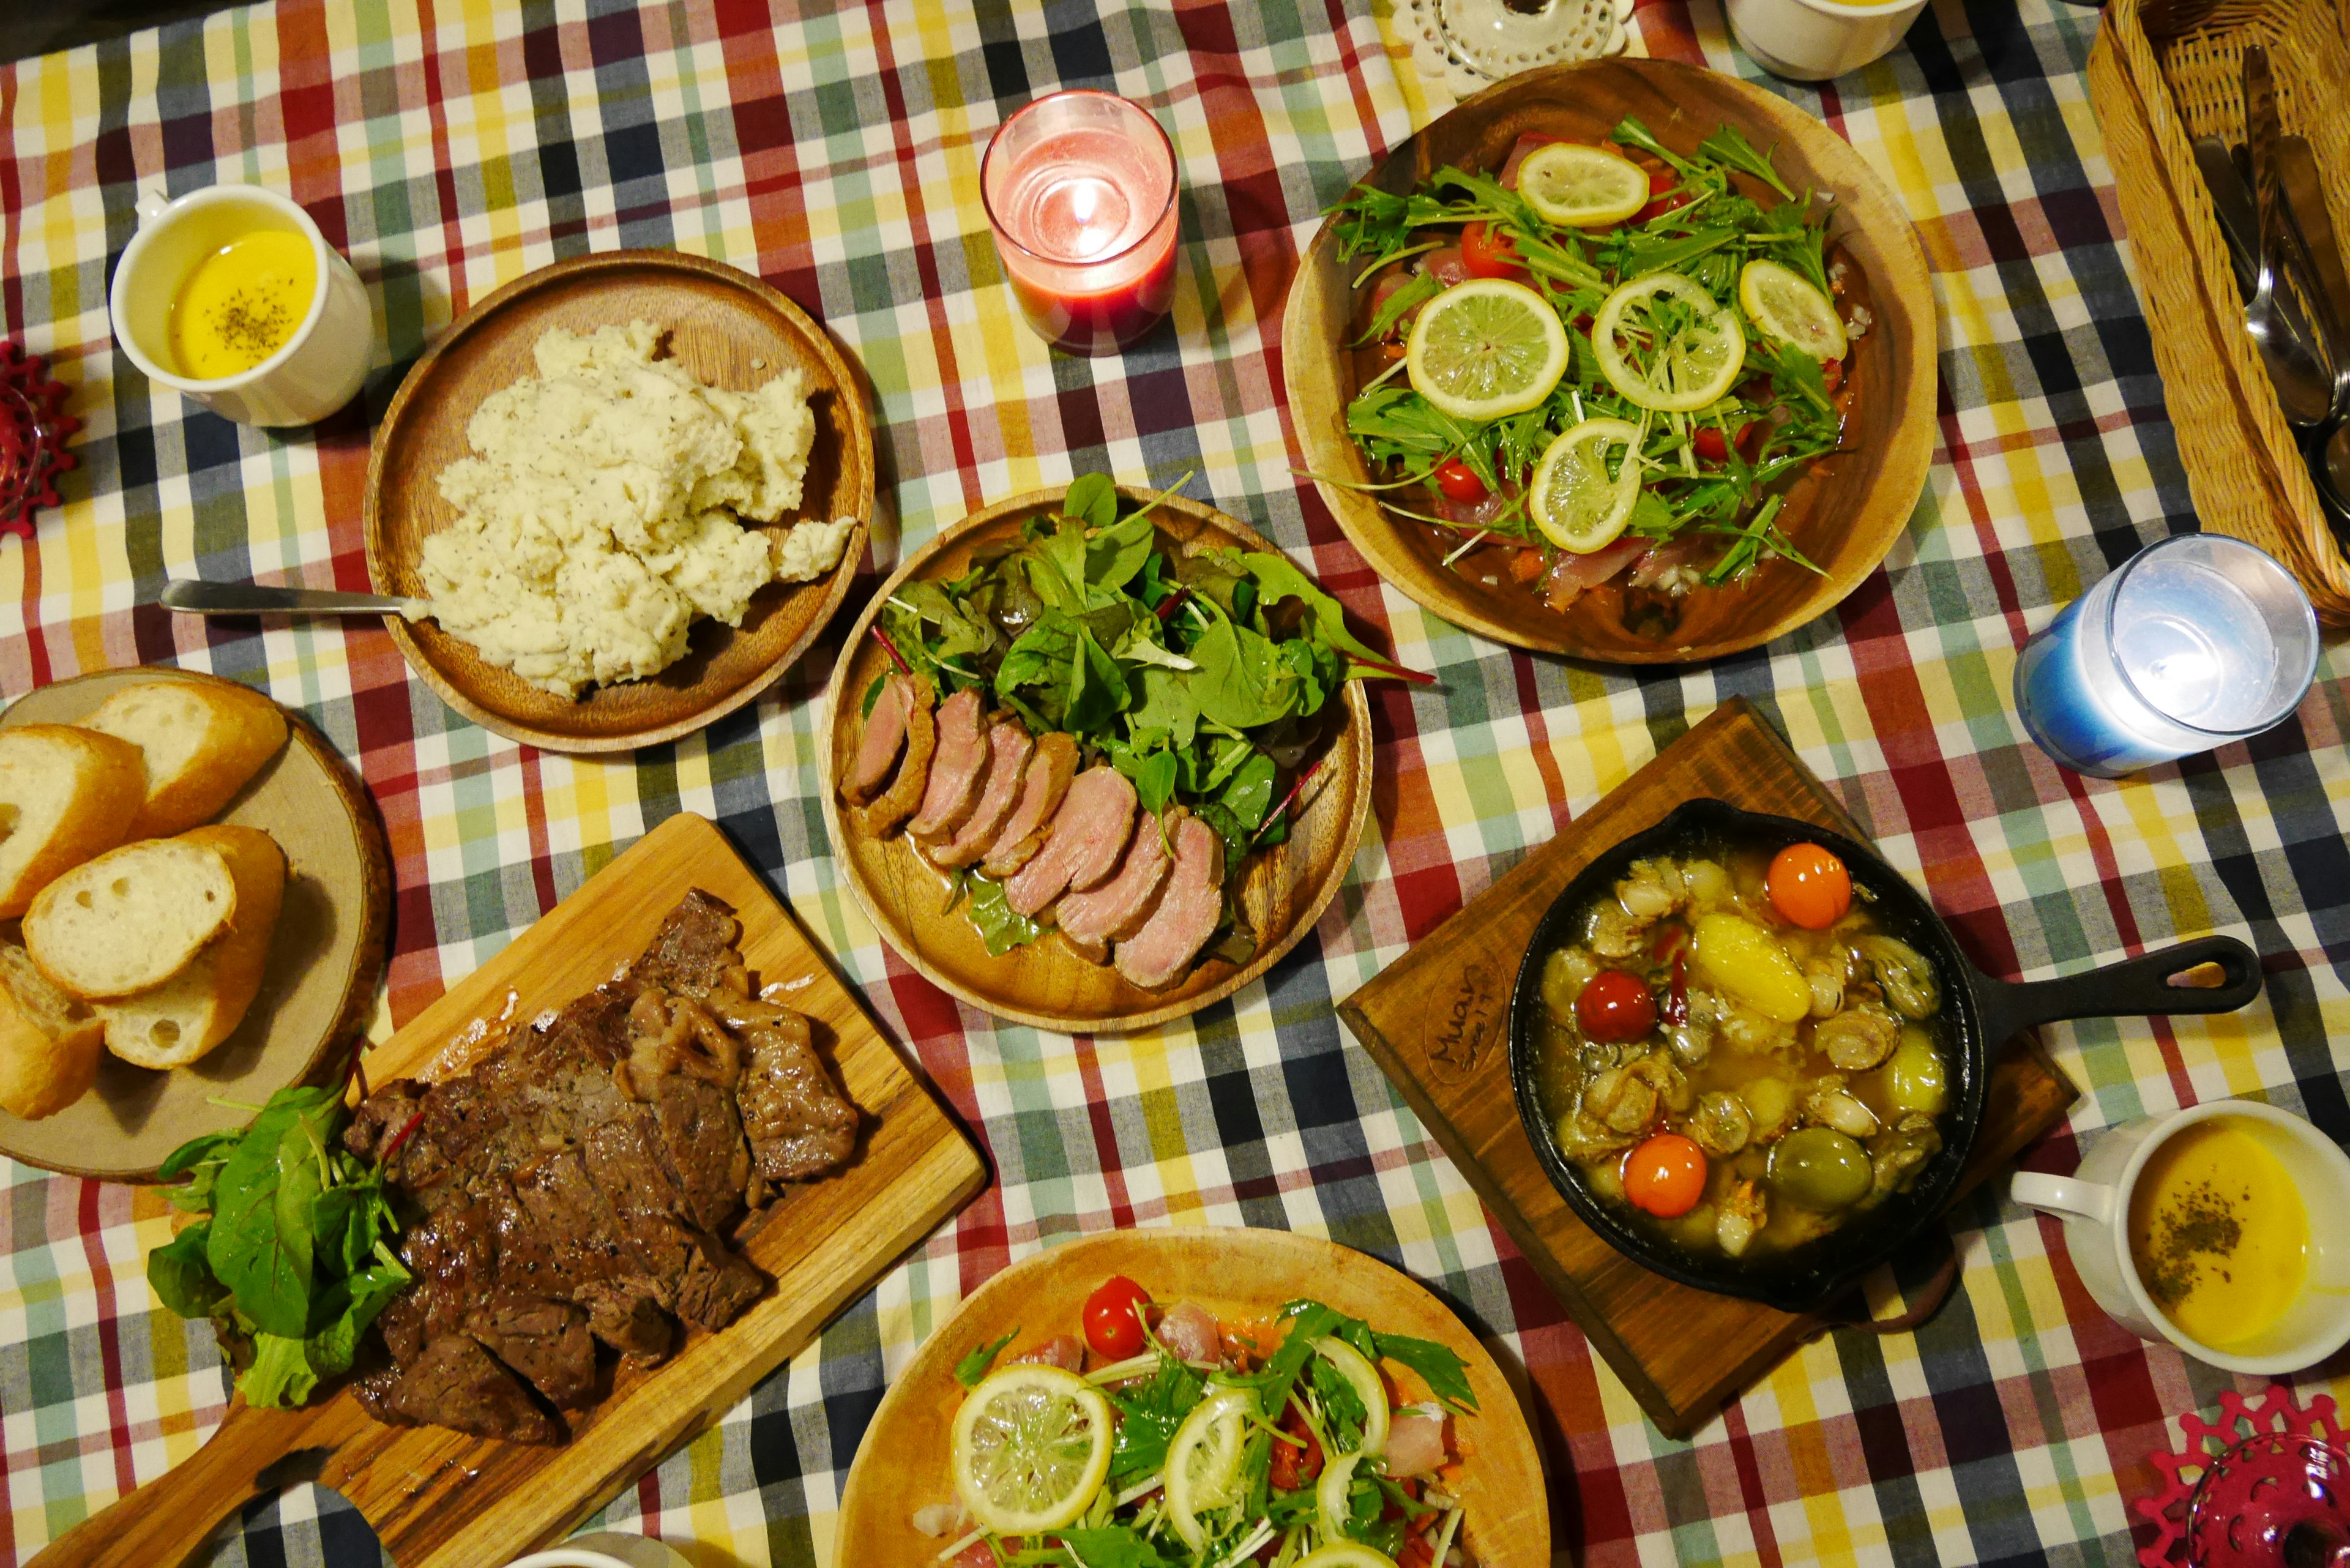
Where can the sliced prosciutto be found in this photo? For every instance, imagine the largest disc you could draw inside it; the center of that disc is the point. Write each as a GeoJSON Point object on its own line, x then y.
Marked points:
{"type": "Point", "coordinates": [1571, 574]}
{"type": "Point", "coordinates": [1099, 916]}
{"type": "Point", "coordinates": [896, 804]}
{"type": "Point", "coordinates": [1050, 768]}
{"type": "Point", "coordinates": [1189, 911]}
{"type": "Point", "coordinates": [1525, 144]}
{"type": "Point", "coordinates": [1008, 746]}
{"type": "Point", "coordinates": [1089, 833]}
{"type": "Point", "coordinates": [878, 743]}
{"type": "Point", "coordinates": [958, 769]}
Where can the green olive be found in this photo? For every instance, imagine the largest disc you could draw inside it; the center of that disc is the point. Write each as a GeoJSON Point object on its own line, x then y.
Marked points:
{"type": "Point", "coordinates": [1916, 1076]}
{"type": "Point", "coordinates": [1819, 1168]}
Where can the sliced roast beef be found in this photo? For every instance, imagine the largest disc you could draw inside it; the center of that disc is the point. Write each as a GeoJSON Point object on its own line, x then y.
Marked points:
{"type": "Point", "coordinates": [797, 1123]}
{"type": "Point", "coordinates": [1041, 789]}
{"type": "Point", "coordinates": [694, 952]}
{"type": "Point", "coordinates": [1089, 833]}
{"type": "Point", "coordinates": [544, 1340]}
{"type": "Point", "coordinates": [1008, 747]}
{"type": "Point", "coordinates": [878, 743]}
{"type": "Point", "coordinates": [632, 1324]}
{"type": "Point", "coordinates": [1117, 908]}
{"type": "Point", "coordinates": [896, 804]}
{"type": "Point", "coordinates": [1189, 911]}
{"type": "Point", "coordinates": [456, 1383]}
{"type": "Point", "coordinates": [958, 769]}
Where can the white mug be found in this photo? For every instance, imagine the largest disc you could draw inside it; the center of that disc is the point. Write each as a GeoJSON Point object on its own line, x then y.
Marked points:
{"type": "Point", "coordinates": [320, 367]}
{"type": "Point", "coordinates": [2095, 1202]}
{"type": "Point", "coordinates": [1812, 40]}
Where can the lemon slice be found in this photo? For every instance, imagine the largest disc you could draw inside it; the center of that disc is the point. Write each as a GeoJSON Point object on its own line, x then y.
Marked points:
{"type": "Point", "coordinates": [1686, 349]}
{"type": "Point", "coordinates": [1344, 1554]}
{"type": "Point", "coordinates": [1784, 302]}
{"type": "Point", "coordinates": [1587, 187]}
{"type": "Point", "coordinates": [1330, 1500]}
{"type": "Point", "coordinates": [1486, 348]}
{"type": "Point", "coordinates": [1203, 1461]}
{"type": "Point", "coordinates": [1369, 1387]}
{"type": "Point", "coordinates": [1572, 500]}
{"type": "Point", "coordinates": [1031, 1448]}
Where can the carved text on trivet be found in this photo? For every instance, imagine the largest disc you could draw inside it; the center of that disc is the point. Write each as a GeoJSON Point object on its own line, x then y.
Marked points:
{"type": "Point", "coordinates": [1457, 1032]}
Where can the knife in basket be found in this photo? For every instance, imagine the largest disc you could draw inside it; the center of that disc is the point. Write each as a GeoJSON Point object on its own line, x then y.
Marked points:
{"type": "Point", "coordinates": [2329, 303]}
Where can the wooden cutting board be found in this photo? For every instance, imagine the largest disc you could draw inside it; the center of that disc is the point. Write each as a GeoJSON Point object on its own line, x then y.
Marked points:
{"type": "Point", "coordinates": [441, 1499]}
{"type": "Point", "coordinates": [1438, 1022]}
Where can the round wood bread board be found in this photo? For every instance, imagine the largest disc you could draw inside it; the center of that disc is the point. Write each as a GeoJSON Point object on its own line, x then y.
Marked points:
{"type": "Point", "coordinates": [728, 329]}
{"type": "Point", "coordinates": [1237, 1275]}
{"type": "Point", "coordinates": [1047, 983]}
{"type": "Point", "coordinates": [1844, 516]}
{"type": "Point", "coordinates": [317, 993]}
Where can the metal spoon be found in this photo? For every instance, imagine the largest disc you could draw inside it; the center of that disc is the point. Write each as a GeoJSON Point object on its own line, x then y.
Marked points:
{"type": "Point", "coordinates": [2302, 374]}
{"type": "Point", "coordinates": [252, 598]}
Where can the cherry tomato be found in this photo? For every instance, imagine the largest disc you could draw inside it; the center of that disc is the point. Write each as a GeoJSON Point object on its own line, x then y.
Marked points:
{"type": "Point", "coordinates": [1665, 1175]}
{"type": "Point", "coordinates": [1712, 448]}
{"type": "Point", "coordinates": [1831, 372]}
{"type": "Point", "coordinates": [1294, 1466]}
{"type": "Point", "coordinates": [1460, 482]}
{"type": "Point", "coordinates": [1486, 252]}
{"type": "Point", "coordinates": [1662, 196]}
{"type": "Point", "coordinates": [1615, 1007]}
{"type": "Point", "coordinates": [1114, 1318]}
{"type": "Point", "coordinates": [1809, 885]}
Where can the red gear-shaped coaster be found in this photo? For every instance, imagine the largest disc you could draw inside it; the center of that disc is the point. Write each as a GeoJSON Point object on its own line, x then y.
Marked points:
{"type": "Point", "coordinates": [2237, 1463]}
{"type": "Point", "coordinates": [33, 428]}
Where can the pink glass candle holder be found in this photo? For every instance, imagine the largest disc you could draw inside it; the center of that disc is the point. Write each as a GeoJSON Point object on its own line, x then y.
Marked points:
{"type": "Point", "coordinates": [1080, 193]}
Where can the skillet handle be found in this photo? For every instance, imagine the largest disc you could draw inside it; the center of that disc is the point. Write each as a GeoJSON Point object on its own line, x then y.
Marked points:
{"type": "Point", "coordinates": [2150, 983]}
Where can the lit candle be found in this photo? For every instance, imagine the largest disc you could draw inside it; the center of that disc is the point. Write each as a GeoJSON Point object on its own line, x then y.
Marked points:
{"type": "Point", "coordinates": [1080, 193]}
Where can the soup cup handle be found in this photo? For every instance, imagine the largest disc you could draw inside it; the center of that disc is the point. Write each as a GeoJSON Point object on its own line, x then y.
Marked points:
{"type": "Point", "coordinates": [2063, 1195]}
{"type": "Point", "coordinates": [152, 204]}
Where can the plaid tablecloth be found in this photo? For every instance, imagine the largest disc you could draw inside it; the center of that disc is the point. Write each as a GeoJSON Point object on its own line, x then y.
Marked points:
{"type": "Point", "coordinates": [448, 148]}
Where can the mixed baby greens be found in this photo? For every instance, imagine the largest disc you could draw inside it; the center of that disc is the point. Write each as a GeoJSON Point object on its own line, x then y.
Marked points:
{"type": "Point", "coordinates": [293, 1252]}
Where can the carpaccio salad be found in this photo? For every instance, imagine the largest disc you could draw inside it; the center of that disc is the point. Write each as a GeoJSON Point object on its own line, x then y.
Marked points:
{"type": "Point", "coordinates": [1166, 1438]}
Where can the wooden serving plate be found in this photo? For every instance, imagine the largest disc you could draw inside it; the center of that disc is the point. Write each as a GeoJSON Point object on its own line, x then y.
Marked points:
{"type": "Point", "coordinates": [443, 1499]}
{"type": "Point", "coordinates": [317, 993]}
{"type": "Point", "coordinates": [1237, 1275]}
{"type": "Point", "coordinates": [1845, 518]}
{"type": "Point", "coordinates": [1437, 1020]}
{"type": "Point", "coordinates": [1046, 984]}
{"type": "Point", "coordinates": [726, 328]}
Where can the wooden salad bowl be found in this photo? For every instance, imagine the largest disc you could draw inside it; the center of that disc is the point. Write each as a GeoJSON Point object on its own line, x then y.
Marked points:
{"type": "Point", "coordinates": [729, 329]}
{"type": "Point", "coordinates": [1239, 1275]}
{"type": "Point", "coordinates": [1844, 514]}
{"type": "Point", "coordinates": [1046, 984]}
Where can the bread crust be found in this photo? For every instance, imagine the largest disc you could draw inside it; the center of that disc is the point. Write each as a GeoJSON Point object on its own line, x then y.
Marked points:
{"type": "Point", "coordinates": [41, 1073]}
{"type": "Point", "coordinates": [109, 789]}
{"type": "Point", "coordinates": [243, 729]}
{"type": "Point", "coordinates": [209, 997]}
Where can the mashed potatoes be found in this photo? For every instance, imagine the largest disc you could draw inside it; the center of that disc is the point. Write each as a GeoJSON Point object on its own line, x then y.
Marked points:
{"type": "Point", "coordinates": [604, 511]}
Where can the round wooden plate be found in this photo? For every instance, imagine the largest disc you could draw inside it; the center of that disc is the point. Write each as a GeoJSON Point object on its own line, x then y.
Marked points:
{"type": "Point", "coordinates": [324, 961]}
{"type": "Point", "coordinates": [726, 328]}
{"type": "Point", "coordinates": [1046, 984]}
{"type": "Point", "coordinates": [903, 1464]}
{"type": "Point", "coordinates": [1845, 517]}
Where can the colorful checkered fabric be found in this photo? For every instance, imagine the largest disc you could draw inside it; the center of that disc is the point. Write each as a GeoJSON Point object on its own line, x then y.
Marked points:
{"type": "Point", "coordinates": [448, 148]}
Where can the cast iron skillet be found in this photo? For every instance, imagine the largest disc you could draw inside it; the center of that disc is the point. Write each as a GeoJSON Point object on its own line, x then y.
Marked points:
{"type": "Point", "coordinates": [1981, 1014]}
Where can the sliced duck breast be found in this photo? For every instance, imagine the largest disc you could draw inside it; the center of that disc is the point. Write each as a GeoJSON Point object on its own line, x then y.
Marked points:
{"type": "Point", "coordinates": [1008, 748]}
{"type": "Point", "coordinates": [896, 804]}
{"type": "Point", "coordinates": [958, 768]}
{"type": "Point", "coordinates": [878, 741]}
{"type": "Point", "coordinates": [1089, 833]}
{"type": "Point", "coordinates": [1190, 909]}
{"type": "Point", "coordinates": [1120, 906]}
{"type": "Point", "coordinates": [1050, 768]}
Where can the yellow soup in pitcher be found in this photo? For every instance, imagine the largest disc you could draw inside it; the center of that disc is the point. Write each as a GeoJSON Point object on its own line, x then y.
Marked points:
{"type": "Point", "coordinates": [241, 304]}
{"type": "Point", "coordinates": [2219, 1234]}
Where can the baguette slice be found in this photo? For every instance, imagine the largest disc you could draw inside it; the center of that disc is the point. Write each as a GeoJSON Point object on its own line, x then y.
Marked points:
{"type": "Point", "coordinates": [200, 741]}
{"type": "Point", "coordinates": [200, 1006]}
{"type": "Point", "coordinates": [131, 918]}
{"type": "Point", "coordinates": [64, 795]}
{"type": "Point", "coordinates": [48, 1041]}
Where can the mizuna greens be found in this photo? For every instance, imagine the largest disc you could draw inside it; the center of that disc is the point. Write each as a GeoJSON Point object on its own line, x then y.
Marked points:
{"type": "Point", "coordinates": [292, 1255]}
{"type": "Point", "coordinates": [1205, 677]}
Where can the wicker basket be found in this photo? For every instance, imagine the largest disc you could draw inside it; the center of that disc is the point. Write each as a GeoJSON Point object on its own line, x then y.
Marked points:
{"type": "Point", "coordinates": [2153, 100]}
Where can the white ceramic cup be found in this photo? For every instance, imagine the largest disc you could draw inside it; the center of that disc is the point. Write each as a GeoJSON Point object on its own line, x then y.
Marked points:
{"type": "Point", "coordinates": [320, 367]}
{"type": "Point", "coordinates": [2095, 1203]}
{"type": "Point", "coordinates": [607, 1549]}
{"type": "Point", "coordinates": [1812, 40]}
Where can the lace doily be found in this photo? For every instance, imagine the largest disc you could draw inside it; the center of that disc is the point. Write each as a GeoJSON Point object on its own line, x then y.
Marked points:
{"type": "Point", "coordinates": [1567, 30]}
{"type": "Point", "coordinates": [2271, 1415]}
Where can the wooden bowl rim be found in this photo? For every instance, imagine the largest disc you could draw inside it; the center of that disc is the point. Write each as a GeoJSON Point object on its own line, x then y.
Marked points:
{"type": "Point", "coordinates": [370, 950]}
{"type": "Point", "coordinates": [1312, 1253]}
{"type": "Point", "coordinates": [1308, 912]}
{"type": "Point", "coordinates": [1908, 271]}
{"type": "Point", "coordinates": [850, 391]}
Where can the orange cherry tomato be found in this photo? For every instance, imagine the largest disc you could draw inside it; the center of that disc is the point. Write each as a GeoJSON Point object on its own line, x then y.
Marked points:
{"type": "Point", "coordinates": [1809, 885]}
{"type": "Point", "coordinates": [1665, 1175]}
{"type": "Point", "coordinates": [1487, 252]}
